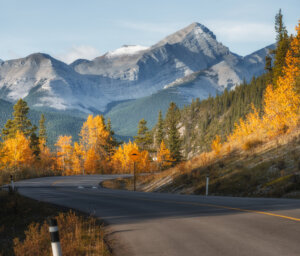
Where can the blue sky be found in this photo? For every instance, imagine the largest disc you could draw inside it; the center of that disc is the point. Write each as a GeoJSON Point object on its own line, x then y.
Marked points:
{"type": "Point", "coordinates": [71, 29]}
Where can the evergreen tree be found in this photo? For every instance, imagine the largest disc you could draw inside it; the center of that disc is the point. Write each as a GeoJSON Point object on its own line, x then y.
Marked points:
{"type": "Point", "coordinates": [282, 41]}
{"type": "Point", "coordinates": [35, 144]}
{"type": "Point", "coordinates": [280, 27]}
{"type": "Point", "coordinates": [143, 138]}
{"type": "Point", "coordinates": [112, 142]}
{"type": "Point", "coordinates": [20, 121]}
{"type": "Point", "coordinates": [159, 129]}
{"type": "Point", "coordinates": [42, 131]}
{"type": "Point", "coordinates": [173, 136]}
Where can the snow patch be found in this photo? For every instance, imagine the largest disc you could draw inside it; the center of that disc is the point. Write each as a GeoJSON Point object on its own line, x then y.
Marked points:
{"type": "Point", "coordinates": [126, 50]}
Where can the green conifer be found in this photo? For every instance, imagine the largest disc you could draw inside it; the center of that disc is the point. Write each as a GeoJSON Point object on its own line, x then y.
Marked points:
{"type": "Point", "coordinates": [159, 136]}
{"type": "Point", "coordinates": [42, 130]}
{"type": "Point", "coordinates": [143, 138]}
{"type": "Point", "coordinates": [173, 136]}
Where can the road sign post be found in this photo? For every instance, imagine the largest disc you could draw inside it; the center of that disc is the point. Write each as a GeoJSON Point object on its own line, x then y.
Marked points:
{"type": "Point", "coordinates": [134, 177]}
{"type": "Point", "coordinates": [134, 156]}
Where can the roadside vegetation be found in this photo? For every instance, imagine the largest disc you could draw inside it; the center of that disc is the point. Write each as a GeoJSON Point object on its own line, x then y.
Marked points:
{"type": "Point", "coordinates": [24, 230]}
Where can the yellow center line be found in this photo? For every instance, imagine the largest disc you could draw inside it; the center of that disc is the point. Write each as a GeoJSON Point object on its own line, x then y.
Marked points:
{"type": "Point", "coordinates": [202, 204]}
{"type": "Point", "coordinates": [56, 182]}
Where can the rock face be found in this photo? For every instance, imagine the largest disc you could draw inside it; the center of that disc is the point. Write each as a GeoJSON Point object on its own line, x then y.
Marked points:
{"type": "Point", "coordinates": [46, 82]}
{"type": "Point", "coordinates": [190, 60]}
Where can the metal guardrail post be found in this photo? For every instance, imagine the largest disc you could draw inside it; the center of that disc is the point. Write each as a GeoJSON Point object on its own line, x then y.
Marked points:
{"type": "Point", "coordinates": [207, 183]}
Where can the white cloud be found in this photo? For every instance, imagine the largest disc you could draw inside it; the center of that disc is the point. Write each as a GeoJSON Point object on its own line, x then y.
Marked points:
{"type": "Point", "coordinates": [243, 32]}
{"type": "Point", "coordinates": [78, 52]}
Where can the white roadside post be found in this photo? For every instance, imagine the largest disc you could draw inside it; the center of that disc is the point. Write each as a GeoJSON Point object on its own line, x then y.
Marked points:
{"type": "Point", "coordinates": [207, 183]}
{"type": "Point", "coordinates": [12, 183]}
{"type": "Point", "coordinates": [55, 244]}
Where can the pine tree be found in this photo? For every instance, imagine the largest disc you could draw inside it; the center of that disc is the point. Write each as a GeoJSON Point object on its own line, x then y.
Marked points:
{"type": "Point", "coordinates": [143, 138]}
{"type": "Point", "coordinates": [159, 129]}
{"type": "Point", "coordinates": [20, 121]}
{"type": "Point", "coordinates": [279, 26]}
{"type": "Point", "coordinates": [42, 131]}
{"type": "Point", "coordinates": [35, 144]}
{"type": "Point", "coordinates": [173, 136]}
{"type": "Point", "coordinates": [112, 142]}
{"type": "Point", "coordinates": [282, 41]}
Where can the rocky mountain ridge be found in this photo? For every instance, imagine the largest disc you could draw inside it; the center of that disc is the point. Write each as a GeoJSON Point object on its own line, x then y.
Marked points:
{"type": "Point", "coordinates": [191, 61]}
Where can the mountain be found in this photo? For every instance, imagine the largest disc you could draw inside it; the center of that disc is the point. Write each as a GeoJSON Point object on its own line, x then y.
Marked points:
{"type": "Point", "coordinates": [187, 64]}
{"type": "Point", "coordinates": [148, 70]}
{"type": "Point", "coordinates": [46, 82]}
{"type": "Point", "coordinates": [182, 91]}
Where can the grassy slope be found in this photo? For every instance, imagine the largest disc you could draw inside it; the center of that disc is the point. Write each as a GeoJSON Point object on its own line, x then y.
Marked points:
{"type": "Point", "coordinates": [272, 169]}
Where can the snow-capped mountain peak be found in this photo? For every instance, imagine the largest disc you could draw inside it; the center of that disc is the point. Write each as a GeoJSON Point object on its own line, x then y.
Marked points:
{"type": "Point", "coordinates": [190, 60]}
{"type": "Point", "coordinates": [126, 50]}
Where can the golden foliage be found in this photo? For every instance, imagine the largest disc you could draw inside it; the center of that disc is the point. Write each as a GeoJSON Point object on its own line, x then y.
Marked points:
{"type": "Point", "coordinates": [122, 163]}
{"type": "Point", "coordinates": [77, 158]}
{"type": "Point", "coordinates": [216, 145]}
{"type": "Point", "coordinates": [64, 154]}
{"type": "Point", "coordinates": [94, 141]}
{"type": "Point", "coordinates": [16, 152]}
{"type": "Point", "coordinates": [164, 156]}
{"type": "Point", "coordinates": [281, 104]}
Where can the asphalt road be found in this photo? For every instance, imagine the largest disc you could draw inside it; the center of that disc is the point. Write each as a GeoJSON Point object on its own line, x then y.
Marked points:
{"type": "Point", "coordinates": [168, 224]}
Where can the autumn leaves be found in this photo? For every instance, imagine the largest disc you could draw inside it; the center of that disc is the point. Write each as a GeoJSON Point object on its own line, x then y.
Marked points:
{"type": "Point", "coordinates": [96, 152]}
{"type": "Point", "coordinates": [281, 104]}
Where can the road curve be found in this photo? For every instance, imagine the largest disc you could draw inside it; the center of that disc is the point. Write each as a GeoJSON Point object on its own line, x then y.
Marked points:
{"type": "Point", "coordinates": [173, 225]}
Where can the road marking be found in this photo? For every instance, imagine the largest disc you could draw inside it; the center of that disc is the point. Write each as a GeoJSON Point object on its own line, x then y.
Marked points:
{"type": "Point", "coordinates": [203, 204]}
{"type": "Point", "coordinates": [56, 182]}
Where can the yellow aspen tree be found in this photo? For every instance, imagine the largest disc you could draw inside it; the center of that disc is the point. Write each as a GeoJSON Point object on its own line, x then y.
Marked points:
{"type": "Point", "coordinates": [251, 125]}
{"type": "Point", "coordinates": [164, 156]}
{"type": "Point", "coordinates": [64, 154]}
{"type": "Point", "coordinates": [95, 135]}
{"type": "Point", "coordinates": [16, 152]}
{"type": "Point", "coordinates": [281, 109]}
{"type": "Point", "coordinates": [143, 165]}
{"type": "Point", "coordinates": [46, 158]}
{"type": "Point", "coordinates": [77, 159]}
{"type": "Point", "coordinates": [216, 145]}
{"type": "Point", "coordinates": [121, 159]}
{"type": "Point", "coordinates": [92, 162]}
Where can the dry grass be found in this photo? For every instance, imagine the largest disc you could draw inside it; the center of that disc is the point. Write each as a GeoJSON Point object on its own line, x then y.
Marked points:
{"type": "Point", "coordinates": [78, 236]}
{"type": "Point", "coordinates": [23, 230]}
{"type": "Point", "coordinates": [240, 169]}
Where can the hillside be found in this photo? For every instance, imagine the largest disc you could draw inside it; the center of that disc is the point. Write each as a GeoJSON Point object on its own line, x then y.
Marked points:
{"type": "Point", "coordinates": [269, 170]}
{"type": "Point", "coordinates": [201, 121]}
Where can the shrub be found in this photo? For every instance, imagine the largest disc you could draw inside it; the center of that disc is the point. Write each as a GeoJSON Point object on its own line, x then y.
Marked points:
{"type": "Point", "coordinates": [251, 144]}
